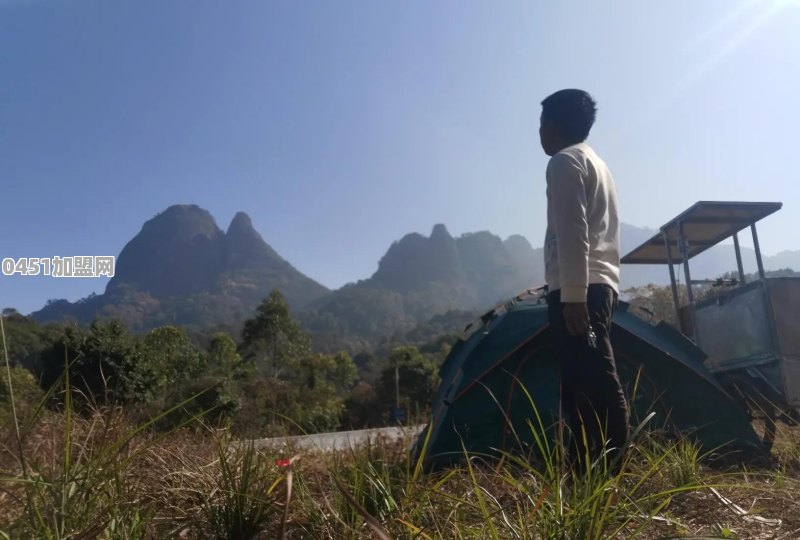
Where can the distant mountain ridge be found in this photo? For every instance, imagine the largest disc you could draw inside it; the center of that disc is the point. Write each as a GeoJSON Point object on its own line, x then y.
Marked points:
{"type": "Point", "coordinates": [420, 277]}
{"type": "Point", "coordinates": [183, 269]}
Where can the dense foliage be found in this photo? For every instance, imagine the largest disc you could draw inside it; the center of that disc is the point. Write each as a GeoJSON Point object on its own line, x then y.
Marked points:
{"type": "Point", "coordinates": [271, 381]}
{"type": "Point", "coordinates": [275, 378]}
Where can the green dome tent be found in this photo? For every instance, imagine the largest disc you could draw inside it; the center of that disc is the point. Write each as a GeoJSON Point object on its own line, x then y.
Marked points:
{"type": "Point", "coordinates": [505, 362]}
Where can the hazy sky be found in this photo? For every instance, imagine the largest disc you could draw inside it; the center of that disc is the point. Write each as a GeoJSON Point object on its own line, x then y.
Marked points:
{"type": "Point", "coordinates": [341, 126]}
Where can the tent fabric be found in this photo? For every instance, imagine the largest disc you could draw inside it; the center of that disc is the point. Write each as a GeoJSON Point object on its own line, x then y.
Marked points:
{"type": "Point", "coordinates": [483, 400]}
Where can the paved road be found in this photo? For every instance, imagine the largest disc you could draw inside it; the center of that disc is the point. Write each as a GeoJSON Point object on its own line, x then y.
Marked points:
{"type": "Point", "coordinates": [342, 440]}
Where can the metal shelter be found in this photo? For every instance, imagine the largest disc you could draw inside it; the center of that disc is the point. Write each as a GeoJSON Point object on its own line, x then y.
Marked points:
{"type": "Point", "coordinates": [748, 330]}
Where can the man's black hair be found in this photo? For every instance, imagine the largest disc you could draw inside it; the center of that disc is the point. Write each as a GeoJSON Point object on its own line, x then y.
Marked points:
{"type": "Point", "coordinates": [572, 111]}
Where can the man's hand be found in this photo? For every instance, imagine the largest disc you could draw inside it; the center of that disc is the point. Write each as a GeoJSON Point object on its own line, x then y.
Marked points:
{"type": "Point", "coordinates": [576, 317]}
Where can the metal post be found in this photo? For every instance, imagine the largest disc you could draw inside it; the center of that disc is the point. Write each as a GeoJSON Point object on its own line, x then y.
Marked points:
{"type": "Point", "coordinates": [397, 384]}
{"type": "Point", "coordinates": [739, 258]}
{"type": "Point", "coordinates": [685, 256]}
{"type": "Point", "coordinates": [758, 251]}
{"type": "Point", "coordinates": [675, 300]}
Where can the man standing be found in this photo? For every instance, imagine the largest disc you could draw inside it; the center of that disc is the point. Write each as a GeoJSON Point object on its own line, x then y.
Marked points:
{"type": "Point", "coordinates": [582, 272]}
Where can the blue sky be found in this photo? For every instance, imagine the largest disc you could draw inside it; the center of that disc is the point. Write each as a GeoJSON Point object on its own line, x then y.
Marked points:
{"type": "Point", "coordinates": [341, 126]}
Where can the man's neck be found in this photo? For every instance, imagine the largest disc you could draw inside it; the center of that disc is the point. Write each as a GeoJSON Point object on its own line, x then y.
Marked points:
{"type": "Point", "coordinates": [564, 144]}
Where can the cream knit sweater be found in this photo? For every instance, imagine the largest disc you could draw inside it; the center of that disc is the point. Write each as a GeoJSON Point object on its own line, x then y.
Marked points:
{"type": "Point", "coordinates": [582, 240]}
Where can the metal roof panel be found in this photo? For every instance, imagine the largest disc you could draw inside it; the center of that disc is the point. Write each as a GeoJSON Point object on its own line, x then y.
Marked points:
{"type": "Point", "coordinates": [705, 224]}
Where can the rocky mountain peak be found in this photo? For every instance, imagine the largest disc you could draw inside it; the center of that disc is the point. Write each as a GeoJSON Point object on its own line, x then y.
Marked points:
{"type": "Point", "coordinates": [245, 248]}
{"type": "Point", "coordinates": [517, 242]}
{"type": "Point", "coordinates": [182, 269]}
{"type": "Point", "coordinates": [177, 252]}
{"type": "Point", "coordinates": [241, 222]}
{"type": "Point", "coordinates": [417, 260]}
{"type": "Point", "coordinates": [440, 233]}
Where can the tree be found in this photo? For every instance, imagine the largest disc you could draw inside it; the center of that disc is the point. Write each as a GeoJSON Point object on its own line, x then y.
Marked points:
{"type": "Point", "coordinates": [291, 383]}
{"type": "Point", "coordinates": [213, 391]}
{"type": "Point", "coordinates": [109, 365]}
{"type": "Point", "coordinates": [323, 383]}
{"type": "Point", "coordinates": [363, 408]}
{"type": "Point", "coordinates": [26, 393]}
{"type": "Point", "coordinates": [345, 374]}
{"type": "Point", "coordinates": [655, 302]}
{"type": "Point", "coordinates": [168, 358]}
{"type": "Point", "coordinates": [417, 377]}
{"type": "Point", "coordinates": [26, 338]}
{"type": "Point", "coordinates": [103, 362]}
{"type": "Point", "coordinates": [271, 340]}
{"type": "Point", "coordinates": [223, 359]}
{"type": "Point", "coordinates": [307, 398]}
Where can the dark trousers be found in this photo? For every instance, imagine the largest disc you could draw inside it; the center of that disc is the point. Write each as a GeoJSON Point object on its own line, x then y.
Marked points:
{"type": "Point", "coordinates": [591, 394]}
